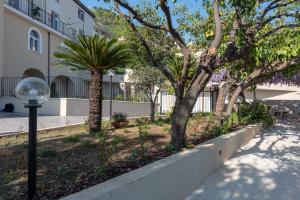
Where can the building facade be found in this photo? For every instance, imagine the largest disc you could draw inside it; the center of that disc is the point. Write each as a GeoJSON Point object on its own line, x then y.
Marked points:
{"type": "Point", "coordinates": [31, 31]}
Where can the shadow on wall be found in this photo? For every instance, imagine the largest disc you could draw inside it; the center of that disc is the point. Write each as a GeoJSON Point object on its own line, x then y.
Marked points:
{"type": "Point", "coordinates": [270, 172]}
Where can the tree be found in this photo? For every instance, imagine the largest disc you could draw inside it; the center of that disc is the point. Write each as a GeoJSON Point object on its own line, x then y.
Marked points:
{"type": "Point", "coordinates": [270, 59]}
{"type": "Point", "coordinates": [228, 34]}
{"type": "Point", "coordinates": [96, 54]}
{"type": "Point", "coordinates": [149, 81]}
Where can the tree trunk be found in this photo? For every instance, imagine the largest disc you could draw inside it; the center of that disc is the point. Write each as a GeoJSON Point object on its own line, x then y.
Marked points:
{"type": "Point", "coordinates": [95, 98]}
{"type": "Point", "coordinates": [231, 102]}
{"type": "Point", "coordinates": [152, 111]}
{"type": "Point", "coordinates": [179, 118]}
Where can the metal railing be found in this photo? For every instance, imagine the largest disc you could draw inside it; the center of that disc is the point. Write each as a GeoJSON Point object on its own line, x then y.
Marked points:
{"type": "Point", "coordinates": [28, 8]}
{"type": "Point", "coordinates": [73, 87]}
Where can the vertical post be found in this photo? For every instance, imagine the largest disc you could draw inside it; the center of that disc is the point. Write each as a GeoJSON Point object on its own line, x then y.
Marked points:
{"type": "Point", "coordinates": [161, 106]}
{"type": "Point", "coordinates": [32, 163]}
{"type": "Point", "coordinates": [111, 96]}
{"type": "Point", "coordinates": [48, 58]}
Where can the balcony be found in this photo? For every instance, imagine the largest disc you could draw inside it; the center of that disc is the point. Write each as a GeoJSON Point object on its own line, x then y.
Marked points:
{"type": "Point", "coordinates": [52, 21]}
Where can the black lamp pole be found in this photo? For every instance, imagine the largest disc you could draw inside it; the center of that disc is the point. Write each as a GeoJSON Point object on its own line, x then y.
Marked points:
{"type": "Point", "coordinates": [32, 166]}
{"type": "Point", "coordinates": [111, 96]}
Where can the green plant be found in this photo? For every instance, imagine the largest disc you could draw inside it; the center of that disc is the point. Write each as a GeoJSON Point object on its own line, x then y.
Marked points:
{"type": "Point", "coordinates": [8, 177]}
{"type": "Point", "coordinates": [233, 120]}
{"type": "Point", "coordinates": [142, 121]}
{"type": "Point", "coordinates": [72, 138]}
{"type": "Point", "coordinates": [143, 134]}
{"type": "Point", "coordinates": [119, 117]}
{"type": "Point", "coordinates": [65, 169]}
{"type": "Point", "coordinates": [170, 148]}
{"type": "Point", "coordinates": [47, 153]}
{"type": "Point", "coordinates": [107, 149]}
{"type": "Point", "coordinates": [167, 129]}
{"type": "Point", "coordinates": [133, 155]}
{"type": "Point", "coordinates": [126, 130]}
{"type": "Point", "coordinates": [119, 98]}
{"type": "Point", "coordinates": [256, 113]}
{"type": "Point", "coordinates": [97, 54]}
{"type": "Point", "coordinates": [220, 130]}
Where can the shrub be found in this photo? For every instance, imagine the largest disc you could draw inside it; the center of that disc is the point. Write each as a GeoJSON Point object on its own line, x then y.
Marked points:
{"type": "Point", "coordinates": [233, 120]}
{"type": "Point", "coordinates": [72, 138]}
{"type": "Point", "coordinates": [220, 130]}
{"type": "Point", "coordinates": [119, 117]}
{"type": "Point", "coordinates": [256, 113]}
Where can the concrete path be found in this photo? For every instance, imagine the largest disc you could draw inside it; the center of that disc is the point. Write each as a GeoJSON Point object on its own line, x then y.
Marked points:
{"type": "Point", "coordinates": [12, 123]}
{"type": "Point", "coordinates": [268, 168]}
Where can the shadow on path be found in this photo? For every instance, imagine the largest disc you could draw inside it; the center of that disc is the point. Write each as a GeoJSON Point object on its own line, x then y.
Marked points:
{"type": "Point", "coordinates": [267, 168]}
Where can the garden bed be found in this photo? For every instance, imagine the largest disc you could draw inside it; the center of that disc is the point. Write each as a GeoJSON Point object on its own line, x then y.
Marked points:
{"type": "Point", "coordinates": [70, 160]}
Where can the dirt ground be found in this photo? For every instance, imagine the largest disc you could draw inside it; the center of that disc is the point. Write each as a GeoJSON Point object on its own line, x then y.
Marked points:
{"type": "Point", "coordinates": [69, 160]}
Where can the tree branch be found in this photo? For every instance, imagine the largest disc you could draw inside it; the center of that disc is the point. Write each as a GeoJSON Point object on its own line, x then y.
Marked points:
{"type": "Point", "coordinates": [218, 36]}
{"type": "Point", "coordinates": [143, 41]}
{"type": "Point", "coordinates": [138, 17]}
{"type": "Point", "coordinates": [277, 29]}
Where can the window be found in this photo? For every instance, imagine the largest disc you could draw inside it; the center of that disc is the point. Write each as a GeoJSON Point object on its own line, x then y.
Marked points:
{"type": "Point", "coordinates": [34, 40]}
{"type": "Point", "coordinates": [14, 3]}
{"type": "Point", "coordinates": [55, 20]}
{"type": "Point", "coordinates": [80, 14]}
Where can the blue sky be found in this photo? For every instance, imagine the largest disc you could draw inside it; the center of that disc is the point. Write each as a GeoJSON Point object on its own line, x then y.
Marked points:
{"type": "Point", "coordinates": [193, 4]}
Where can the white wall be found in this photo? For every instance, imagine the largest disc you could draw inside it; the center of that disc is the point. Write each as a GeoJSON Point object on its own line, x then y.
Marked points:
{"type": "Point", "coordinates": [80, 107]}
{"type": "Point", "coordinates": [1, 36]}
{"type": "Point", "coordinates": [174, 177]}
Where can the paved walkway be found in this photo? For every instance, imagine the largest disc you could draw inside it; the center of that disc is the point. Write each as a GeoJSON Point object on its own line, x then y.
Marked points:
{"type": "Point", "coordinates": [268, 168]}
{"type": "Point", "coordinates": [12, 123]}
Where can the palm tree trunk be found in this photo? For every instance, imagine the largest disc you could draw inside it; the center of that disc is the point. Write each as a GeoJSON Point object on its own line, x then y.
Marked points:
{"type": "Point", "coordinates": [95, 96]}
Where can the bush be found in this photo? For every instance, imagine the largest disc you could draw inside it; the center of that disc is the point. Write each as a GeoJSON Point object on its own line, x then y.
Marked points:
{"type": "Point", "coordinates": [119, 117]}
{"type": "Point", "coordinates": [256, 113]}
{"type": "Point", "coordinates": [220, 130]}
{"type": "Point", "coordinates": [233, 120]}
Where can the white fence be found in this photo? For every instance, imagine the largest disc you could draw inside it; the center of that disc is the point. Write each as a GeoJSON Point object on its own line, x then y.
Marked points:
{"type": "Point", "coordinates": [204, 102]}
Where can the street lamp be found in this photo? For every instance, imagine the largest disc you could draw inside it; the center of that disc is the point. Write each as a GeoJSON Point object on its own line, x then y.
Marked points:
{"type": "Point", "coordinates": [111, 74]}
{"type": "Point", "coordinates": [238, 102]}
{"type": "Point", "coordinates": [34, 92]}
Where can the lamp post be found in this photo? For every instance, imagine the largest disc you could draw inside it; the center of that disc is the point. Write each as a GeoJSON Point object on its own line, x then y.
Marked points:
{"type": "Point", "coordinates": [34, 92]}
{"type": "Point", "coordinates": [238, 102]}
{"type": "Point", "coordinates": [111, 74]}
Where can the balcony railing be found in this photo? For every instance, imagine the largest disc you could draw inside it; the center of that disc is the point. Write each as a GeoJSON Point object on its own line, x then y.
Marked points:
{"type": "Point", "coordinates": [28, 8]}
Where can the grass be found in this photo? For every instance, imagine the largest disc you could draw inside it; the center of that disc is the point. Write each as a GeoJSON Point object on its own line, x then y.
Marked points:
{"type": "Point", "coordinates": [72, 138]}
{"type": "Point", "coordinates": [68, 159]}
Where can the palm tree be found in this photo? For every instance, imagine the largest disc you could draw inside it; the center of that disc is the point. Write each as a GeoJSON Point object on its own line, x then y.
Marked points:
{"type": "Point", "coordinates": [96, 54]}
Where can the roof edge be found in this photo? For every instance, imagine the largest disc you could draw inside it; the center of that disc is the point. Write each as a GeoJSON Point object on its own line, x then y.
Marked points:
{"type": "Point", "coordinates": [86, 9]}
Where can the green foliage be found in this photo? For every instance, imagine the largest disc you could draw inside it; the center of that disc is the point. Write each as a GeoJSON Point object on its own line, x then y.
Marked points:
{"type": "Point", "coordinates": [142, 121]}
{"type": "Point", "coordinates": [93, 53]}
{"type": "Point", "coordinates": [143, 134]}
{"type": "Point", "coordinates": [170, 148]}
{"type": "Point", "coordinates": [8, 177]}
{"type": "Point", "coordinates": [256, 113]}
{"type": "Point", "coordinates": [119, 117]}
{"type": "Point", "coordinates": [233, 120]}
{"type": "Point", "coordinates": [47, 153]}
{"type": "Point", "coordinates": [72, 138]}
{"type": "Point", "coordinates": [107, 149]}
{"type": "Point", "coordinates": [220, 130]}
{"type": "Point", "coordinates": [65, 169]}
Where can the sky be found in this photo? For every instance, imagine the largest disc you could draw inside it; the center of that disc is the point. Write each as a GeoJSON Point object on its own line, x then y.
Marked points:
{"type": "Point", "coordinates": [193, 4]}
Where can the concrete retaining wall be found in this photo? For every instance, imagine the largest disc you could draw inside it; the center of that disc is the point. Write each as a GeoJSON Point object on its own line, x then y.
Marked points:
{"type": "Point", "coordinates": [80, 107]}
{"type": "Point", "coordinates": [174, 177]}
